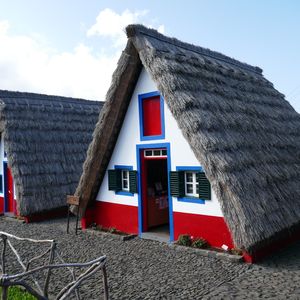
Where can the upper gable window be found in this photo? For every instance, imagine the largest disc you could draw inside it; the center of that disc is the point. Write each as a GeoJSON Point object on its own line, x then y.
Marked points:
{"type": "Point", "coordinates": [151, 113]}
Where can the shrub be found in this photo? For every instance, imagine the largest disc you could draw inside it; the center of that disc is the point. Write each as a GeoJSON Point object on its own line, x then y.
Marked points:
{"type": "Point", "coordinates": [112, 230]}
{"type": "Point", "coordinates": [236, 251]}
{"type": "Point", "coordinates": [199, 243]}
{"type": "Point", "coordinates": [184, 240]}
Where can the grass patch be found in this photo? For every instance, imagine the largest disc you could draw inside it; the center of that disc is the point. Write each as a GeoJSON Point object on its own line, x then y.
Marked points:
{"type": "Point", "coordinates": [112, 230]}
{"type": "Point", "coordinates": [16, 293]}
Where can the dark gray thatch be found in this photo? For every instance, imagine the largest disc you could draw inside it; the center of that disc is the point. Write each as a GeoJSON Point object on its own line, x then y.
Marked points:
{"type": "Point", "coordinates": [241, 129]}
{"type": "Point", "coordinates": [46, 139]}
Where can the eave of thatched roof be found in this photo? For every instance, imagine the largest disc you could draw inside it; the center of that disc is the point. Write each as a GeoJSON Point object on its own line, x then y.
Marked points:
{"type": "Point", "coordinates": [109, 125]}
{"type": "Point", "coordinates": [46, 139]}
{"type": "Point", "coordinates": [241, 129]}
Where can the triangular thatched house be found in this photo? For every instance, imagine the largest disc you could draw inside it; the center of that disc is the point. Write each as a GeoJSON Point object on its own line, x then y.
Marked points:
{"type": "Point", "coordinates": [195, 140]}
{"type": "Point", "coordinates": [44, 140]}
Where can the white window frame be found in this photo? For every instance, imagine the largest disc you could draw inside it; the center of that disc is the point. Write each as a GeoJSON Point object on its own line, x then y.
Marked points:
{"type": "Point", "coordinates": [125, 179]}
{"type": "Point", "coordinates": [155, 153]}
{"type": "Point", "coordinates": [193, 183]}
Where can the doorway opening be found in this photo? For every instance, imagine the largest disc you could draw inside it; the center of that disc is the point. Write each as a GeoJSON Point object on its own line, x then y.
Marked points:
{"type": "Point", "coordinates": [155, 198]}
{"type": "Point", "coordinates": [9, 202]}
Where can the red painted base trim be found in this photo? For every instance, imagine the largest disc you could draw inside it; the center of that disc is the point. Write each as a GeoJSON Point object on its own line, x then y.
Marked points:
{"type": "Point", "coordinates": [88, 218]}
{"type": "Point", "coordinates": [15, 210]}
{"type": "Point", "coordinates": [248, 258]}
{"type": "Point", "coordinates": [212, 229]}
{"type": "Point", "coordinates": [271, 248]}
{"type": "Point", "coordinates": [1, 205]}
{"type": "Point", "coordinates": [121, 217]}
{"type": "Point", "coordinates": [51, 214]}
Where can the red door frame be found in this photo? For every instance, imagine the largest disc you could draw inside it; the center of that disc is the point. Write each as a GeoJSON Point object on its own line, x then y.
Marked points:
{"type": "Point", "coordinates": [9, 201]}
{"type": "Point", "coordinates": [144, 178]}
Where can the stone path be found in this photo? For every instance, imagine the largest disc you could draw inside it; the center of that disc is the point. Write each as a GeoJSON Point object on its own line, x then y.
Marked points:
{"type": "Point", "coordinates": [143, 269]}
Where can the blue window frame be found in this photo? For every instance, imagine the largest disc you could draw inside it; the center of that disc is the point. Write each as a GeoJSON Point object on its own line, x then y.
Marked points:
{"type": "Point", "coordinates": [191, 183]}
{"type": "Point", "coordinates": [141, 98]}
{"type": "Point", "coordinates": [125, 182]}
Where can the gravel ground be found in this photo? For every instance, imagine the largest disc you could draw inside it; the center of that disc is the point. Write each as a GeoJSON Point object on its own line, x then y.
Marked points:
{"type": "Point", "coordinates": [142, 269]}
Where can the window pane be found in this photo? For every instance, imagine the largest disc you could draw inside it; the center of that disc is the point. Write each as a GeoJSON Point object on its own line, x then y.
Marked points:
{"type": "Point", "coordinates": [156, 152]}
{"type": "Point", "coordinates": [188, 177]}
{"type": "Point", "coordinates": [148, 152]}
{"type": "Point", "coordinates": [189, 189]}
{"type": "Point", "coordinates": [125, 184]}
{"type": "Point", "coordinates": [125, 174]}
{"type": "Point", "coordinates": [197, 188]}
{"type": "Point", "coordinates": [164, 152]}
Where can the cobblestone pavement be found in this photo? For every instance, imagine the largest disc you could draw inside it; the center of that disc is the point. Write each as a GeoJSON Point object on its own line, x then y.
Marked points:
{"type": "Point", "coordinates": [142, 269]}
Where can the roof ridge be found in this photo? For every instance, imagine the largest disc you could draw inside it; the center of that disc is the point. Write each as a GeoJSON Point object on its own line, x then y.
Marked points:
{"type": "Point", "coordinates": [45, 97]}
{"type": "Point", "coordinates": [135, 29]}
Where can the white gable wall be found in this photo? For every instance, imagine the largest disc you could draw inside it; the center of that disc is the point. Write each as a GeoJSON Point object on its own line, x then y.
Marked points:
{"type": "Point", "coordinates": [124, 153]}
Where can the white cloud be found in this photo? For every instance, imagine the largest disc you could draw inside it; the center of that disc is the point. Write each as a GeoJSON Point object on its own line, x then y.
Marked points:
{"type": "Point", "coordinates": [161, 29]}
{"type": "Point", "coordinates": [27, 64]}
{"type": "Point", "coordinates": [111, 24]}
{"type": "Point", "coordinates": [4, 26]}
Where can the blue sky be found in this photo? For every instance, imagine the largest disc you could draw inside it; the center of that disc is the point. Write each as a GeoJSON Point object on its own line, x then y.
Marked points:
{"type": "Point", "coordinates": [70, 47]}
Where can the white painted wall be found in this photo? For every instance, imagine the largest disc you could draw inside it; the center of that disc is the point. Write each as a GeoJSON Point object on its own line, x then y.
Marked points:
{"type": "Point", "coordinates": [125, 153]}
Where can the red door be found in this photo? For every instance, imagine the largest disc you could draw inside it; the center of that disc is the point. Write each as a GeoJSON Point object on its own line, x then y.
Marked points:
{"type": "Point", "coordinates": [10, 203]}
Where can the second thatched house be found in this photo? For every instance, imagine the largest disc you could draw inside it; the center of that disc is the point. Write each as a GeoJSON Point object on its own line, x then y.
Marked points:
{"type": "Point", "coordinates": [191, 141]}
{"type": "Point", "coordinates": [44, 140]}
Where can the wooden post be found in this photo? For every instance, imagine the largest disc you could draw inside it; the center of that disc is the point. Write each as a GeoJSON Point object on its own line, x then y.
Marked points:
{"type": "Point", "coordinates": [77, 218]}
{"type": "Point", "coordinates": [68, 223]}
{"type": "Point", "coordinates": [73, 200]}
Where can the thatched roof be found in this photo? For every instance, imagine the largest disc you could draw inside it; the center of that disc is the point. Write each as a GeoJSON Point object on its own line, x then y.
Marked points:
{"type": "Point", "coordinates": [240, 128]}
{"type": "Point", "coordinates": [46, 139]}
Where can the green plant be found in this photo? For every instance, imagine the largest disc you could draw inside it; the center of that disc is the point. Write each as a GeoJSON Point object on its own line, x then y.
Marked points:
{"type": "Point", "coordinates": [184, 240]}
{"type": "Point", "coordinates": [236, 251]}
{"type": "Point", "coordinates": [199, 243]}
{"type": "Point", "coordinates": [16, 293]}
{"type": "Point", "coordinates": [112, 229]}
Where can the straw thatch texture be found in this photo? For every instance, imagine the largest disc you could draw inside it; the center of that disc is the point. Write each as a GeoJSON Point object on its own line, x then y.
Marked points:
{"type": "Point", "coordinates": [241, 129]}
{"type": "Point", "coordinates": [46, 139]}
